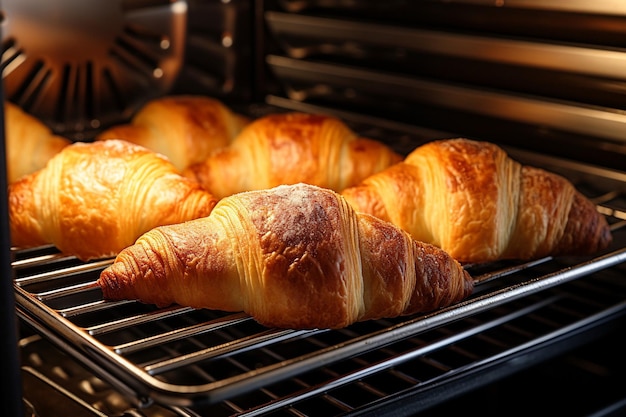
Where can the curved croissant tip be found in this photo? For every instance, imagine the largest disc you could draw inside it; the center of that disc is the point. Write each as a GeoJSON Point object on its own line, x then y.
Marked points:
{"type": "Point", "coordinates": [603, 242]}
{"type": "Point", "coordinates": [469, 285]}
{"type": "Point", "coordinates": [110, 281]}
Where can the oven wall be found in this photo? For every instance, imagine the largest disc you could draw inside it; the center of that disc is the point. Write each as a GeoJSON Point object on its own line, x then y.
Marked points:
{"type": "Point", "coordinates": [544, 75]}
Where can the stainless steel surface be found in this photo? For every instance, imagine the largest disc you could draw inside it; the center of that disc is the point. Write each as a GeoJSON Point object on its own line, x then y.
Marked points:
{"type": "Point", "coordinates": [586, 120]}
{"type": "Point", "coordinates": [305, 38]}
{"type": "Point", "coordinates": [361, 35]}
{"type": "Point", "coordinates": [57, 385]}
{"type": "Point", "coordinates": [546, 77]}
{"type": "Point", "coordinates": [578, 6]}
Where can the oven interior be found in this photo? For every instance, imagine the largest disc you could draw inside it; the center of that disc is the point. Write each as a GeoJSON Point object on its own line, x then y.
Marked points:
{"type": "Point", "coordinates": [545, 81]}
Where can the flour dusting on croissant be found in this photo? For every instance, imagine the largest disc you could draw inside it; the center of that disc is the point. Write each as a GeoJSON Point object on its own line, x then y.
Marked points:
{"type": "Point", "coordinates": [294, 256]}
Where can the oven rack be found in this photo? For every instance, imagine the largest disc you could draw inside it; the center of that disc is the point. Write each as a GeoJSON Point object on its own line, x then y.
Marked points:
{"type": "Point", "coordinates": [49, 370]}
{"type": "Point", "coordinates": [186, 357]}
{"type": "Point", "coordinates": [147, 388]}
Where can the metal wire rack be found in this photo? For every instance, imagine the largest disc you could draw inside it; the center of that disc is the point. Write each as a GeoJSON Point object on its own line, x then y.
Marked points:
{"type": "Point", "coordinates": [203, 358]}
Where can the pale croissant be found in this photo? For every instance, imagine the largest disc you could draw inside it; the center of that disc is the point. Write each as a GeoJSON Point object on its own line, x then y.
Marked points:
{"type": "Point", "coordinates": [288, 148]}
{"type": "Point", "coordinates": [295, 256]}
{"type": "Point", "coordinates": [476, 203]}
{"type": "Point", "coordinates": [29, 142]}
{"type": "Point", "coordinates": [93, 199]}
{"type": "Point", "coordinates": [185, 128]}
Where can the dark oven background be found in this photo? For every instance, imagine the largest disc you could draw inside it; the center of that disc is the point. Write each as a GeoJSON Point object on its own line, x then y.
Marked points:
{"type": "Point", "coordinates": [545, 79]}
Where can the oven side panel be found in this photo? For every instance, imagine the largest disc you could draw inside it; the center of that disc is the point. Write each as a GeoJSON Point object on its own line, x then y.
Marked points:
{"type": "Point", "coordinates": [11, 397]}
{"type": "Point", "coordinates": [542, 75]}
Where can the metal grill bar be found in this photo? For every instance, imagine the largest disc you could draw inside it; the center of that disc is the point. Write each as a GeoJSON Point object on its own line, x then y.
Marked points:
{"type": "Point", "coordinates": [501, 273]}
{"type": "Point", "coordinates": [130, 321]}
{"type": "Point", "coordinates": [60, 273]}
{"type": "Point", "coordinates": [91, 307]}
{"type": "Point", "coordinates": [602, 63]}
{"type": "Point", "coordinates": [178, 334]}
{"type": "Point", "coordinates": [63, 292]}
{"type": "Point", "coordinates": [37, 260]}
{"type": "Point", "coordinates": [243, 344]}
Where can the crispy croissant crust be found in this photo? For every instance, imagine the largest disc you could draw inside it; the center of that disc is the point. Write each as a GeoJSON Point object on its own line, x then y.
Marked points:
{"type": "Point", "coordinates": [184, 128]}
{"type": "Point", "coordinates": [290, 148]}
{"type": "Point", "coordinates": [473, 201]}
{"type": "Point", "coordinates": [295, 256]}
{"type": "Point", "coordinates": [93, 199]}
{"type": "Point", "coordinates": [29, 142]}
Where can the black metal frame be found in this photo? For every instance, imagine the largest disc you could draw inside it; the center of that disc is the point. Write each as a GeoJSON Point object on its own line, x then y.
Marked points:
{"type": "Point", "coordinates": [11, 397]}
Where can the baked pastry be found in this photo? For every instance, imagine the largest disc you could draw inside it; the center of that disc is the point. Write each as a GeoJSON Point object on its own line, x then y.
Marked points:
{"type": "Point", "coordinates": [476, 203]}
{"type": "Point", "coordinates": [29, 142]}
{"type": "Point", "coordinates": [93, 199]}
{"type": "Point", "coordinates": [294, 256]}
{"type": "Point", "coordinates": [288, 148]}
{"type": "Point", "coordinates": [185, 128]}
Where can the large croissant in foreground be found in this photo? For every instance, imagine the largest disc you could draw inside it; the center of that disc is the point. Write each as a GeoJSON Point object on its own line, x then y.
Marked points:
{"type": "Point", "coordinates": [288, 148]}
{"type": "Point", "coordinates": [185, 128]}
{"type": "Point", "coordinates": [94, 199]}
{"type": "Point", "coordinates": [29, 142]}
{"type": "Point", "coordinates": [295, 256]}
{"type": "Point", "coordinates": [473, 201]}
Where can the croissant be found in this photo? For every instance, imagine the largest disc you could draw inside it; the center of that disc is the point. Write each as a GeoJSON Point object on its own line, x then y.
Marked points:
{"type": "Point", "coordinates": [479, 205]}
{"type": "Point", "coordinates": [29, 142]}
{"type": "Point", "coordinates": [294, 256]}
{"type": "Point", "coordinates": [185, 128]}
{"type": "Point", "coordinates": [289, 148]}
{"type": "Point", "coordinates": [93, 199]}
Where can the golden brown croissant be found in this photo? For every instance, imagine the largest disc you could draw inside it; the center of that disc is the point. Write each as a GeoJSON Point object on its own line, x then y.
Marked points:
{"type": "Point", "coordinates": [295, 256]}
{"type": "Point", "coordinates": [184, 128]}
{"type": "Point", "coordinates": [29, 142]}
{"type": "Point", "coordinates": [473, 201]}
{"type": "Point", "coordinates": [93, 199]}
{"type": "Point", "coordinates": [290, 148]}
